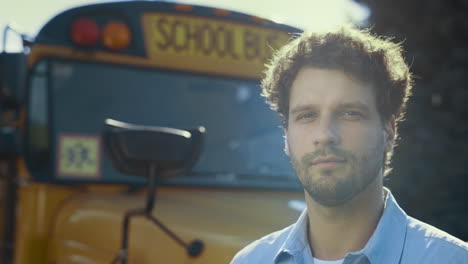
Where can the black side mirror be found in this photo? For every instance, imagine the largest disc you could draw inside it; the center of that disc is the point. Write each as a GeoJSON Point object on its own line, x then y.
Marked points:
{"type": "Point", "coordinates": [132, 149]}
{"type": "Point", "coordinates": [151, 152]}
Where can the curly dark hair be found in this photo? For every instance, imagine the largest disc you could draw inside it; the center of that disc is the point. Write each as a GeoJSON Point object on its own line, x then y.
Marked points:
{"type": "Point", "coordinates": [369, 58]}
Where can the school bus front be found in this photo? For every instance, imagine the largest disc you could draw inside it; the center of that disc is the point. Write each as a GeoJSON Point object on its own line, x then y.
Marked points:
{"type": "Point", "coordinates": [154, 64]}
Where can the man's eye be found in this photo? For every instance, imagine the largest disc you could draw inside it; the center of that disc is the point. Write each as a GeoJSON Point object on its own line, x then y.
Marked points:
{"type": "Point", "coordinates": [353, 114]}
{"type": "Point", "coordinates": [306, 116]}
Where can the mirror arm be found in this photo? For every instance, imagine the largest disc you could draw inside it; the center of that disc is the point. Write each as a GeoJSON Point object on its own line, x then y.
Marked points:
{"type": "Point", "coordinates": [122, 256]}
{"type": "Point", "coordinates": [152, 172]}
{"type": "Point", "coordinates": [193, 248]}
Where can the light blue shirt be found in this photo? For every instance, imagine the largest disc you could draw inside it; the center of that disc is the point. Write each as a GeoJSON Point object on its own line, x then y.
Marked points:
{"type": "Point", "coordinates": [398, 239]}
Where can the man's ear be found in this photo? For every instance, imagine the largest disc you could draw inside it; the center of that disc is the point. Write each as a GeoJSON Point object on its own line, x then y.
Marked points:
{"type": "Point", "coordinates": [286, 147]}
{"type": "Point", "coordinates": [389, 134]}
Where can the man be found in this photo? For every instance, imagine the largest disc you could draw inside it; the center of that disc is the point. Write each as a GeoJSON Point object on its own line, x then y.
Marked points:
{"type": "Point", "coordinates": [340, 95]}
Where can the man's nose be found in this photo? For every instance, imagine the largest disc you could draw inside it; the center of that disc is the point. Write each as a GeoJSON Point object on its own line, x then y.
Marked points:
{"type": "Point", "coordinates": [326, 132]}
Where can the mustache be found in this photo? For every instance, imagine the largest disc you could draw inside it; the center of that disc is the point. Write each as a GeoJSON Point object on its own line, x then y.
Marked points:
{"type": "Point", "coordinates": [310, 157]}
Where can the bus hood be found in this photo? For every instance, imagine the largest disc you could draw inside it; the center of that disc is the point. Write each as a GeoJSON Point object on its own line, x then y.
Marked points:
{"type": "Point", "coordinates": [88, 227]}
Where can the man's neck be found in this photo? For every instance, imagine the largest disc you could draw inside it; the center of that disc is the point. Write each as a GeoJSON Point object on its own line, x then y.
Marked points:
{"type": "Point", "coordinates": [335, 231]}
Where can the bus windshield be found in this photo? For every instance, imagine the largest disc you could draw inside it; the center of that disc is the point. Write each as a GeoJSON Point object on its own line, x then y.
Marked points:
{"type": "Point", "coordinates": [243, 141]}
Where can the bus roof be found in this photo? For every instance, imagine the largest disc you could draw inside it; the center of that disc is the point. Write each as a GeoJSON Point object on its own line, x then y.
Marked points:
{"type": "Point", "coordinates": [164, 35]}
{"type": "Point", "coordinates": [50, 32]}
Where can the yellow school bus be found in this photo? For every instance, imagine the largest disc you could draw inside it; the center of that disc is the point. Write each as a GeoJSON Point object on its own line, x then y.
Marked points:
{"type": "Point", "coordinates": [149, 64]}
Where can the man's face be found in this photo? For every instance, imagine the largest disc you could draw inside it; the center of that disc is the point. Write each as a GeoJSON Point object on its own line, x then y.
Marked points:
{"type": "Point", "coordinates": [335, 137]}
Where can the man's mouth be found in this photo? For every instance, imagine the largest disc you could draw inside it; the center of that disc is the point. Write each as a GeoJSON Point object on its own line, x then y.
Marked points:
{"type": "Point", "coordinates": [328, 162]}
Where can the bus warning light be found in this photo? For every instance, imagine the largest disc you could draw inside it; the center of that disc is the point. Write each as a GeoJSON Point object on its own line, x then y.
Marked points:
{"type": "Point", "coordinates": [116, 35]}
{"type": "Point", "coordinates": [84, 32]}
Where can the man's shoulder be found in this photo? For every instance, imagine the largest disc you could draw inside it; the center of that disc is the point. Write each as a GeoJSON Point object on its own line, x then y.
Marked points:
{"type": "Point", "coordinates": [426, 242]}
{"type": "Point", "coordinates": [264, 249]}
{"type": "Point", "coordinates": [421, 232]}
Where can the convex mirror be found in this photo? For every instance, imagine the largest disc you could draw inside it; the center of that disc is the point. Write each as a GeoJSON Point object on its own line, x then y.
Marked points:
{"type": "Point", "coordinates": [132, 149]}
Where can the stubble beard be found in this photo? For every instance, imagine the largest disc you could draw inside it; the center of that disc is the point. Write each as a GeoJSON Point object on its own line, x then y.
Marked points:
{"type": "Point", "coordinates": [331, 189]}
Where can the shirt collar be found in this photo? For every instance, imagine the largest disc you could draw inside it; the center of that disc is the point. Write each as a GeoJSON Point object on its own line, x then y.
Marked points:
{"type": "Point", "coordinates": [384, 246]}
{"type": "Point", "coordinates": [296, 240]}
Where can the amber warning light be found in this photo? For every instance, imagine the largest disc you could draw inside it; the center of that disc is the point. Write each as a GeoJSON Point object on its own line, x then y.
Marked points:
{"type": "Point", "coordinates": [84, 32]}
{"type": "Point", "coordinates": [116, 35]}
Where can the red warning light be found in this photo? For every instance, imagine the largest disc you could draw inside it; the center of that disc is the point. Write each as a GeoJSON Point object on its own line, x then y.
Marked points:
{"type": "Point", "coordinates": [84, 32]}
